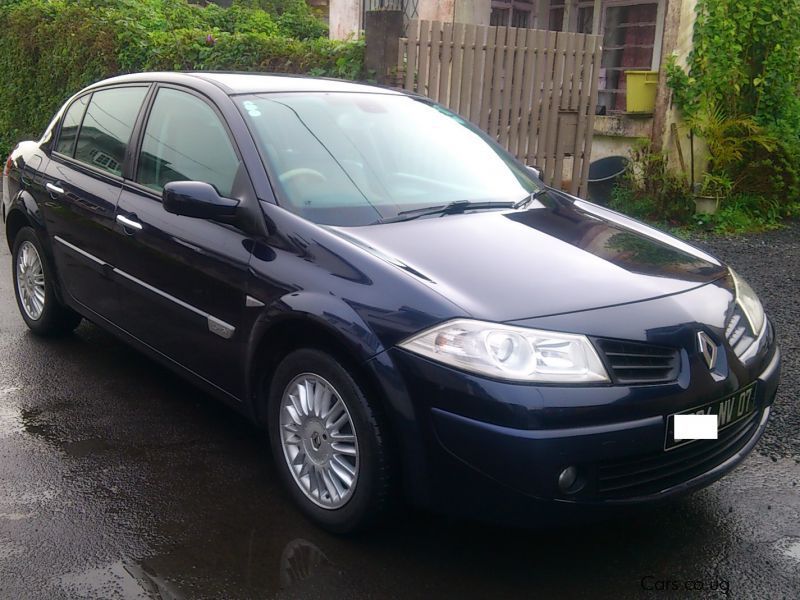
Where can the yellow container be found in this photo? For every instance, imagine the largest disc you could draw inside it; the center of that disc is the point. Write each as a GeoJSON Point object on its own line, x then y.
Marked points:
{"type": "Point", "coordinates": [641, 91]}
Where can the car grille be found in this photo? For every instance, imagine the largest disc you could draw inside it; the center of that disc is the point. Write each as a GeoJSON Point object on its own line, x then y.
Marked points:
{"type": "Point", "coordinates": [634, 362]}
{"type": "Point", "coordinates": [655, 472]}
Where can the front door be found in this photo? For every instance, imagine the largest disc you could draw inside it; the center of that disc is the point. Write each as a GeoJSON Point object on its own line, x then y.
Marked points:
{"type": "Point", "coordinates": [184, 278]}
{"type": "Point", "coordinates": [80, 187]}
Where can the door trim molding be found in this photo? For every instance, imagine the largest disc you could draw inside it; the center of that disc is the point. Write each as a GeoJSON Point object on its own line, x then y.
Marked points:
{"type": "Point", "coordinates": [215, 325]}
{"type": "Point", "coordinates": [91, 257]}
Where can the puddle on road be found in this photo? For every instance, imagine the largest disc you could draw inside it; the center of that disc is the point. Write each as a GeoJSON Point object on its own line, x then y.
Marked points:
{"type": "Point", "coordinates": [10, 416]}
{"type": "Point", "coordinates": [121, 579]}
{"type": "Point", "coordinates": [789, 547]}
{"type": "Point", "coordinates": [9, 549]}
{"type": "Point", "coordinates": [15, 516]}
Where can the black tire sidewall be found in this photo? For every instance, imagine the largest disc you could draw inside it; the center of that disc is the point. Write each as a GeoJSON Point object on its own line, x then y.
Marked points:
{"type": "Point", "coordinates": [54, 318]}
{"type": "Point", "coordinates": [368, 498]}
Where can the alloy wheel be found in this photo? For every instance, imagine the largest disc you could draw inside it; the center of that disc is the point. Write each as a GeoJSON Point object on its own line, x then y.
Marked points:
{"type": "Point", "coordinates": [30, 280]}
{"type": "Point", "coordinates": [319, 441]}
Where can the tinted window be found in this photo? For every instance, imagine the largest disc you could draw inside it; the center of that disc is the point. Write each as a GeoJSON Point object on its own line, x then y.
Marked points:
{"type": "Point", "coordinates": [107, 128]}
{"type": "Point", "coordinates": [185, 141]}
{"type": "Point", "coordinates": [70, 126]}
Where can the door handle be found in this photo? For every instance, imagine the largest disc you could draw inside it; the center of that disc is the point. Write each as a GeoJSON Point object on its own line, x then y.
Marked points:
{"type": "Point", "coordinates": [129, 223]}
{"type": "Point", "coordinates": [54, 189]}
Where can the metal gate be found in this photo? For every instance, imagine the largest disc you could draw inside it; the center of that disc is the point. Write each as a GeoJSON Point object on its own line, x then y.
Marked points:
{"type": "Point", "coordinates": [534, 91]}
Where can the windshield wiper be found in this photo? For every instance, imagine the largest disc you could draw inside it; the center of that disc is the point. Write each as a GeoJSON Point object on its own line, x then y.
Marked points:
{"type": "Point", "coordinates": [530, 198]}
{"type": "Point", "coordinates": [459, 206]}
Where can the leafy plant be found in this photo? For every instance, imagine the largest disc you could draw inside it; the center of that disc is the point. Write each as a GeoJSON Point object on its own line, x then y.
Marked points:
{"type": "Point", "coordinates": [727, 137]}
{"type": "Point", "coordinates": [741, 92]}
{"type": "Point", "coordinates": [651, 191]}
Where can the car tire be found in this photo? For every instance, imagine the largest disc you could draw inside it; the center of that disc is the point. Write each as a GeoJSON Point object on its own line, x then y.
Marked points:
{"type": "Point", "coordinates": [302, 433]}
{"type": "Point", "coordinates": [34, 281]}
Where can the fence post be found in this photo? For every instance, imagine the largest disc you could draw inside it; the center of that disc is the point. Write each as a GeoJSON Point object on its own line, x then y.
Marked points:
{"type": "Point", "coordinates": [383, 30]}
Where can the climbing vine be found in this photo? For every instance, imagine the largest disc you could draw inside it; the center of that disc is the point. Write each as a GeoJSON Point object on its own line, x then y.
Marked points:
{"type": "Point", "coordinates": [746, 60]}
{"type": "Point", "coordinates": [743, 84]}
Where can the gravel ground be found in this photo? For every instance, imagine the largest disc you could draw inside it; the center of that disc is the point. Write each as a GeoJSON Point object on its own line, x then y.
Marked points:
{"type": "Point", "coordinates": [771, 264]}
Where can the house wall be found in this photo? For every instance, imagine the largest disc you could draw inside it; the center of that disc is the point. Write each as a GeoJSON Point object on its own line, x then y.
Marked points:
{"type": "Point", "coordinates": [345, 15]}
{"type": "Point", "coordinates": [344, 19]}
{"type": "Point", "coordinates": [683, 47]}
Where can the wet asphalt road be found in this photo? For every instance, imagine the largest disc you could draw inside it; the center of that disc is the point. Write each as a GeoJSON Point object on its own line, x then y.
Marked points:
{"type": "Point", "coordinates": [119, 480]}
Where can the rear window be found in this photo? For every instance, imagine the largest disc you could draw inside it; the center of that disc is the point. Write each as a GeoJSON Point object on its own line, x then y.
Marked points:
{"type": "Point", "coordinates": [107, 127]}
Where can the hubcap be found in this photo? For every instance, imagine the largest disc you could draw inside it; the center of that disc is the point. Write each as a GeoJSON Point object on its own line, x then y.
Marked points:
{"type": "Point", "coordinates": [319, 441]}
{"type": "Point", "coordinates": [30, 280]}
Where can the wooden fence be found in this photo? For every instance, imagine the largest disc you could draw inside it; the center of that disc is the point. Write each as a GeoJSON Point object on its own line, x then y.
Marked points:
{"type": "Point", "coordinates": [535, 91]}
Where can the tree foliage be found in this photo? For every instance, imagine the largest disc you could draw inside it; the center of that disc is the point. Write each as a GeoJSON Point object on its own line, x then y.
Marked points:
{"type": "Point", "coordinates": [50, 49]}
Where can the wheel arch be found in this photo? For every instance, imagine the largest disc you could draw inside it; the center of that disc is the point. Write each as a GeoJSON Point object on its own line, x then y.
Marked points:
{"type": "Point", "coordinates": [24, 212]}
{"type": "Point", "coordinates": [15, 220]}
{"type": "Point", "coordinates": [275, 337]}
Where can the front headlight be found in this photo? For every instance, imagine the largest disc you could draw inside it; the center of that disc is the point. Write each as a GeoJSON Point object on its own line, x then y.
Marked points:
{"type": "Point", "coordinates": [749, 303]}
{"type": "Point", "coordinates": [507, 352]}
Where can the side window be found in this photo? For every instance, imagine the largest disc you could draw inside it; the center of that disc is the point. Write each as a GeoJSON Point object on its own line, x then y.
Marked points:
{"type": "Point", "coordinates": [70, 126]}
{"type": "Point", "coordinates": [185, 141]}
{"type": "Point", "coordinates": [107, 127]}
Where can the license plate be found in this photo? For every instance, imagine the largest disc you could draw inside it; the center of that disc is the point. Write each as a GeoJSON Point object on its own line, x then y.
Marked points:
{"type": "Point", "coordinates": [729, 410]}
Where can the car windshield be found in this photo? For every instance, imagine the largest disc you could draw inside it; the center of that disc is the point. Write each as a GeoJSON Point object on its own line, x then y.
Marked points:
{"type": "Point", "coordinates": [356, 159]}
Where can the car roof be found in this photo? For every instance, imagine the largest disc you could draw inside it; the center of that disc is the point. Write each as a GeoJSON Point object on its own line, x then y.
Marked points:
{"type": "Point", "coordinates": [253, 83]}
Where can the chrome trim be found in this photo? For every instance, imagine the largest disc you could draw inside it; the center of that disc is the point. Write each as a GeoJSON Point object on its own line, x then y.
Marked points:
{"type": "Point", "coordinates": [758, 344]}
{"type": "Point", "coordinates": [708, 349]}
{"type": "Point", "coordinates": [126, 222]}
{"type": "Point", "coordinates": [91, 257]}
{"type": "Point", "coordinates": [251, 302]}
{"type": "Point", "coordinates": [220, 328]}
{"type": "Point", "coordinates": [215, 325]}
{"type": "Point", "coordinates": [54, 189]}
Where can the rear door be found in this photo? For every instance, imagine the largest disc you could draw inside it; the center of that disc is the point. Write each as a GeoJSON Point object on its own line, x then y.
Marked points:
{"type": "Point", "coordinates": [80, 187]}
{"type": "Point", "coordinates": [184, 279]}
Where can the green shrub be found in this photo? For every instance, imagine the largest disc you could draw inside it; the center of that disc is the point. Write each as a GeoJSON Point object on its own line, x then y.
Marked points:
{"type": "Point", "coordinates": [50, 49]}
{"type": "Point", "coordinates": [650, 191]}
{"type": "Point", "coordinates": [742, 213]}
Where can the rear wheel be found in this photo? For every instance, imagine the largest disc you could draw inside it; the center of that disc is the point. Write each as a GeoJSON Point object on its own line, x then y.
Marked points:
{"type": "Point", "coordinates": [328, 442]}
{"type": "Point", "coordinates": [33, 287]}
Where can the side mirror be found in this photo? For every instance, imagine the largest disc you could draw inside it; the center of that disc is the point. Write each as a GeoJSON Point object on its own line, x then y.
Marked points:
{"type": "Point", "coordinates": [536, 173]}
{"type": "Point", "coordinates": [196, 199]}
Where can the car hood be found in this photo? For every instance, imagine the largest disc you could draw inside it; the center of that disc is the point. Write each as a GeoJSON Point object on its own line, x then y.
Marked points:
{"type": "Point", "coordinates": [557, 257]}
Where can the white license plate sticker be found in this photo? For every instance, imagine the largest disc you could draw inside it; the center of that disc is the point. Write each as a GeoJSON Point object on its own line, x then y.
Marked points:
{"type": "Point", "coordinates": [695, 427]}
{"type": "Point", "coordinates": [726, 411]}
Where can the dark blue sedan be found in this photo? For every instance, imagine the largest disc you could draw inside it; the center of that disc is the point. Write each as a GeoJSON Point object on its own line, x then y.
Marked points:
{"type": "Point", "coordinates": [406, 308]}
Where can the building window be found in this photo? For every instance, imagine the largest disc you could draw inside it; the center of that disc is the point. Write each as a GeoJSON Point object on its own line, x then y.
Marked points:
{"type": "Point", "coordinates": [629, 34]}
{"type": "Point", "coordinates": [629, 30]}
{"type": "Point", "coordinates": [517, 13]}
{"type": "Point", "coordinates": [499, 17]}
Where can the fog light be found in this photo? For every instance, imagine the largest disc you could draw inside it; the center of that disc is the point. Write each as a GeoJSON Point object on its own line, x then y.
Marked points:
{"type": "Point", "coordinates": [568, 480]}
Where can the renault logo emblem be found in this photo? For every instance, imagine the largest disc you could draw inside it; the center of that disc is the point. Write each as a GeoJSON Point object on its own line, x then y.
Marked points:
{"type": "Point", "coordinates": [708, 349]}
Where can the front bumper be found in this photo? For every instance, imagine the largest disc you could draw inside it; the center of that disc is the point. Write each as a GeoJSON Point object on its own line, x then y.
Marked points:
{"type": "Point", "coordinates": [488, 467]}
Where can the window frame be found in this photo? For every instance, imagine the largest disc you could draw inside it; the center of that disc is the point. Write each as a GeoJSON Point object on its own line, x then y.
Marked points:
{"type": "Point", "coordinates": [75, 163]}
{"type": "Point", "coordinates": [513, 7]}
{"type": "Point", "coordinates": [141, 127]}
{"type": "Point", "coordinates": [655, 63]}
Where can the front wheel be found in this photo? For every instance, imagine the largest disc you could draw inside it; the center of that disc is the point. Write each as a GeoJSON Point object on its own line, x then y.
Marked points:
{"type": "Point", "coordinates": [329, 442]}
{"type": "Point", "coordinates": [33, 287]}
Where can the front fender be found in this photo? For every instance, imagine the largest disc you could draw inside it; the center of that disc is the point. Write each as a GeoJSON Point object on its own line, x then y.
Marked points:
{"type": "Point", "coordinates": [331, 313]}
